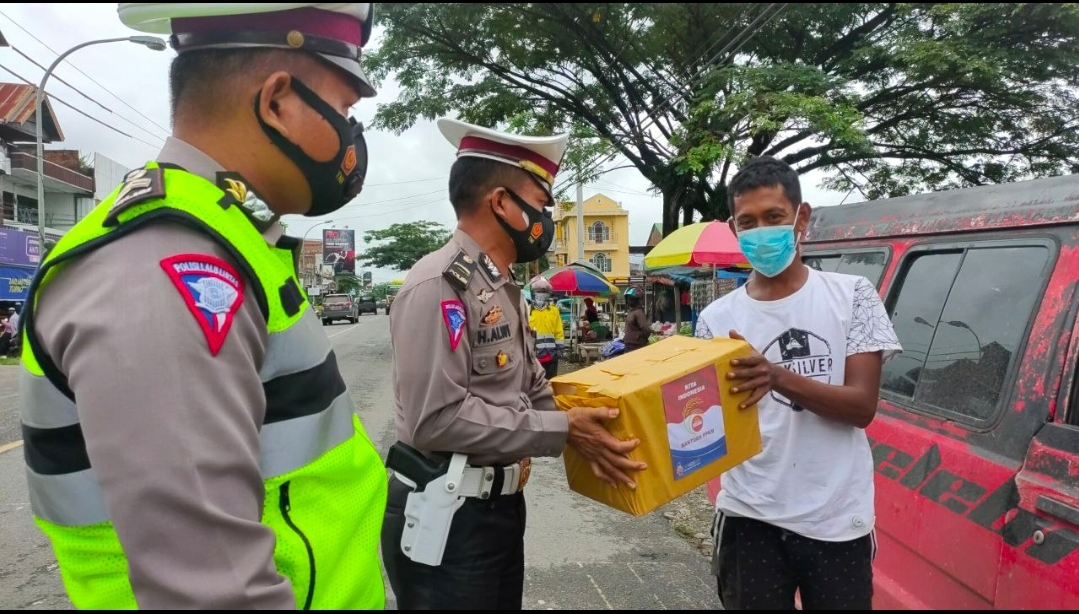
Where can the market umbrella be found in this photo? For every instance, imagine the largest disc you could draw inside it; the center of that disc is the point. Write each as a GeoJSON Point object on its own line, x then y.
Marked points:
{"type": "Point", "coordinates": [578, 281]}
{"type": "Point", "coordinates": [697, 245]}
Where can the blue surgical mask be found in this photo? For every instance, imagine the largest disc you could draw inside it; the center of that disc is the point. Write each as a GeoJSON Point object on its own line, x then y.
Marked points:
{"type": "Point", "coordinates": [769, 249]}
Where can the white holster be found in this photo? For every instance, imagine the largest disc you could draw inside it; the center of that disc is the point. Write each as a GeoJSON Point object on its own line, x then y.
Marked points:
{"type": "Point", "coordinates": [429, 512]}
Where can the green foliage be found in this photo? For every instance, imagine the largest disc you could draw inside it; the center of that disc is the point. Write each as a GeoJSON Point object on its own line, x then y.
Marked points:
{"type": "Point", "coordinates": [886, 98]}
{"type": "Point", "coordinates": [525, 272]}
{"type": "Point", "coordinates": [401, 245]}
{"type": "Point", "coordinates": [379, 290]}
{"type": "Point", "coordinates": [347, 283]}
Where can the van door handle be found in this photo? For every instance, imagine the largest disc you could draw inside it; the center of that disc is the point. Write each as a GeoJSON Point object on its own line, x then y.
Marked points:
{"type": "Point", "coordinates": [1061, 510]}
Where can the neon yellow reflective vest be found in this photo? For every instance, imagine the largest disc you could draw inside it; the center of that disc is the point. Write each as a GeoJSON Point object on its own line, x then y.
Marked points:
{"type": "Point", "coordinates": [547, 324]}
{"type": "Point", "coordinates": [325, 482]}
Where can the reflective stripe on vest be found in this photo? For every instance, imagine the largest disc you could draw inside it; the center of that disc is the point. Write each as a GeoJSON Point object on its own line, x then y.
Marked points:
{"type": "Point", "coordinates": [309, 435]}
{"type": "Point", "coordinates": [545, 342]}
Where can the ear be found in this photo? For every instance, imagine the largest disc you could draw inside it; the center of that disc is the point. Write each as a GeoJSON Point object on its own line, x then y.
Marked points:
{"type": "Point", "coordinates": [274, 91]}
{"type": "Point", "coordinates": [501, 203]}
{"type": "Point", "coordinates": [730, 224]}
{"type": "Point", "coordinates": [801, 222]}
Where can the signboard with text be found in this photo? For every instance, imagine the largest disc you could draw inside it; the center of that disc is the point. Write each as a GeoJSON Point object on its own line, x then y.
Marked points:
{"type": "Point", "coordinates": [339, 250]}
{"type": "Point", "coordinates": [19, 248]}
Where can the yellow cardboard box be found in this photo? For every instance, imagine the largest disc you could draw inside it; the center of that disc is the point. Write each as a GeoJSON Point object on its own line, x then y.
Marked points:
{"type": "Point", "coordinates": [675, 397]}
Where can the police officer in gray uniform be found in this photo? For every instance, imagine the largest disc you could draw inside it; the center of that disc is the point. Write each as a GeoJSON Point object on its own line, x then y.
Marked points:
{"type": "Point", "coordinates": [467, 381]}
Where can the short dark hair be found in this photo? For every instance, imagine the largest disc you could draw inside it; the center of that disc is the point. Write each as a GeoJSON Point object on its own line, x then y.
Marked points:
{"type": "Point", "coordinates": [765, 172]}
{"type": "Point", "coordinates": [471, 178]}
{"type": "Point", "coordinates": [206, 80]}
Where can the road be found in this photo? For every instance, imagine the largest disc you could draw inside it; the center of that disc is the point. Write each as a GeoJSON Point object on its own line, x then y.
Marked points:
{"type": "Point", "coordinates": [579, 554]}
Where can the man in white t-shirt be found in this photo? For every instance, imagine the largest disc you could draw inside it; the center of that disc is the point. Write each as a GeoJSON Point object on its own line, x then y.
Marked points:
{"type": "Point", "coordinates": [799, 515]}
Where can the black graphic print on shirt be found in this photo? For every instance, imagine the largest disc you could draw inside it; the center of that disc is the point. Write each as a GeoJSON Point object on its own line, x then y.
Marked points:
{"type": "Point", "coordinates": [803, 352]}
{"type": "Point", "coordinates": [871, 328]}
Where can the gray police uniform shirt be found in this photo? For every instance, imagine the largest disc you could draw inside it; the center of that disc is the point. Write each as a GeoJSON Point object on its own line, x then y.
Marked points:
{"type": "Point", "coordinates": [465, 374]}
{"type": "Point", "coordinates": [171, 430]}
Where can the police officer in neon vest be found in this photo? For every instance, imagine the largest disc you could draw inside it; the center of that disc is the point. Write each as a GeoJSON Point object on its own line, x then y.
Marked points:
{"type": "Point", "coordinates": [189, 439]}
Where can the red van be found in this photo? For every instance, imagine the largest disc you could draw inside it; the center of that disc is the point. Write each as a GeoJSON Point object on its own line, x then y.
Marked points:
{"type": "Point", "coordinates": [976, 439]}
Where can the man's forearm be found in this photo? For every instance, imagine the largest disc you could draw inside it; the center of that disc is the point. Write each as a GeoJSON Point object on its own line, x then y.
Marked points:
{"type": "Point", "coordinates": [847, 404]}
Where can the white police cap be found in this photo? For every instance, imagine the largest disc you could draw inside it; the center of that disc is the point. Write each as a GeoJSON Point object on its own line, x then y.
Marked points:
{"type": "Point", "coordinates": [335, 31]}
{"type": "Point", "coordinates": [539, 155]}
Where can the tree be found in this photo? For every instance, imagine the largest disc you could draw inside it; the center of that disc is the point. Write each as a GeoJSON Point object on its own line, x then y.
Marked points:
{"type": "Point", "coordinates": [347, 283]}
{"type": "Point", "coordinates": [379, 290]}
{"type": "Point", "coordinates": [526, 271]}
{"type": "Point", "coordinates": [86, 165]}
{"type": "Point", "coordinates": [886, 98]}
{"type": "Point", "coordinates": [401, 245]}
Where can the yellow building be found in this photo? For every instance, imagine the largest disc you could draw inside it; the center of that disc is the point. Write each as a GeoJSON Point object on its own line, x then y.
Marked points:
{"type": "Point", "coordinates": [606, 237]}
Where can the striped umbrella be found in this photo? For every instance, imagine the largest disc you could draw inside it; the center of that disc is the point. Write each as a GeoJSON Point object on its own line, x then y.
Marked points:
{"type": "Point", "coordinates": [697, 245]}
{"type": "Point", "coordinates": [573, 280]}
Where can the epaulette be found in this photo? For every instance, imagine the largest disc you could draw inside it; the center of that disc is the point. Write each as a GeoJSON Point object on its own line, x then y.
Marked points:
{"type": "Point", "coordinates": [491, 268]}
{"type": "Point", "coordinates": [238, 193]}
{"type": "Point", "coordinates": [460, 271]}
{"type": "Point", "coordinates": [140, 185]}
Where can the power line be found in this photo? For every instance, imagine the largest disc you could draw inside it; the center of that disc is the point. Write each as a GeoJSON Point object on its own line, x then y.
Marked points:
{"type": "Point", "coordinates": [371, 185]}
{"type": "Point", "coordinates": [390, 200]}
{"type": "Point", "coordinates": [80, 92]}
{"type": "Point", "coordinates": [166, 130]}
{"type": "Point", "coordinates": [77, 110]}
{"type": "Point", "coordinates": [392, 211]}
{"type": "Point", "coordinates": [729, 50]}
{"type": "Point", "coordinates": [600, 188]}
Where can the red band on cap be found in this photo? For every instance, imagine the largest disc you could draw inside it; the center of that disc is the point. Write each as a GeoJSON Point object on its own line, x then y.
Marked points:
{"type": "Point", "coordinates": [308, 20]}
{"type": "Point", "coordinates": [514, 152]}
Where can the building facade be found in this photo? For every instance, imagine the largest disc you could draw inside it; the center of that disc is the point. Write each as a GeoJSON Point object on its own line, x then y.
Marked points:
{"type": "Point", "coordinates": [606, 237]}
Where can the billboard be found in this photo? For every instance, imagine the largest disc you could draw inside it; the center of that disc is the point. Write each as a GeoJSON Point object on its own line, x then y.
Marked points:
{"type": "Point", "coordinates": [19, 248]}
{"type": "Point", "coordinates": [367, 279]}
{"type": "Point", "coordinates": [339, 250]}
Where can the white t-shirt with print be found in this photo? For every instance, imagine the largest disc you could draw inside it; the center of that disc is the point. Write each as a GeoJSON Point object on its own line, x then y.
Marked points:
{"type": "Point", "coordinates": [814, 475]}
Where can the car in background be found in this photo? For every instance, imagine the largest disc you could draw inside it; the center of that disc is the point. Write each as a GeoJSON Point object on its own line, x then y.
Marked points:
{"type": "Point", "coordinates": [339, 307]}
{"type": "Point", "coordinates": [367, 304]}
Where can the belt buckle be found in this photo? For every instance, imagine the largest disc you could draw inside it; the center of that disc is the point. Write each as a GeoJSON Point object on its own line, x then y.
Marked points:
{"type": "Point", "coordinates": [526, 470]}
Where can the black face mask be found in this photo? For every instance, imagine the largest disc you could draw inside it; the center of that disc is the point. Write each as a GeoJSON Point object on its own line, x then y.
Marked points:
{"type": "Point", "coordinates": [335, 182]}
{"type": "Point", "coordinates": [533, 241]}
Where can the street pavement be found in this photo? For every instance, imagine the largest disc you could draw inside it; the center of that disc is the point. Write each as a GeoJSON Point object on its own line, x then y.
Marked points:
{"type": "Point", "coordinates": [579, 554]}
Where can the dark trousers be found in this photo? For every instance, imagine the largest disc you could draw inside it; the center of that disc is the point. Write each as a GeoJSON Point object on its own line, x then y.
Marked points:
{"type": "Point", "coordinates": [551, 367]}
{"type": "Point", "coordinates": [759, 566]}
{"type": "Point", "coordinates": [484, 563]}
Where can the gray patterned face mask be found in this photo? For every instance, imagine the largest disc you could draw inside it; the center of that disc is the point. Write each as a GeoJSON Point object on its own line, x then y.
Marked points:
{"type": "Point", "coordinates": [539, 300]}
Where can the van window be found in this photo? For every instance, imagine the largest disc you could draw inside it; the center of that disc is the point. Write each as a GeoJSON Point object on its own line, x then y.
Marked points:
{"type": "Point", "coordinates": [961, 316]}
{"type": "Point", "coordinates": [868, 264]}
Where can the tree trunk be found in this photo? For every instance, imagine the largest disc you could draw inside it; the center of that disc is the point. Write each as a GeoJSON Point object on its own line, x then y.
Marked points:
{"type": "Point", "coordinates": [670, 210]}
{"type": "Point", "coordinates": [687, 216]}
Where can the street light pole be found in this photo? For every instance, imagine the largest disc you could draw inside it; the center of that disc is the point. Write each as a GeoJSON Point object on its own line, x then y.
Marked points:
{"type": "Point", "coordinates": [151, 42]}
{"type": "Point", "coordinates": [314, 227]}
{"type": "Point", "coordinates": [304, 241]}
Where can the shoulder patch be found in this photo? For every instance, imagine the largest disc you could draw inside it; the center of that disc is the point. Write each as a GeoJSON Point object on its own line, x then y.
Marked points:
{"type": "Point", "coordinates": [460, 271]}
{"type": "Point", "coordinates": [238, 193]}
{"type": "Point", "coordinates": [140, 185]}
{"type": "Point", "coordinates": [453, 313]}
{"type": "Point", "coordinates": [212, 290]}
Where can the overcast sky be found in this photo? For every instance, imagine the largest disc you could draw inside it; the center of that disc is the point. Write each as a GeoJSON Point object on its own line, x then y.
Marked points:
{"type": "Point", "coordinates": [127, 89]}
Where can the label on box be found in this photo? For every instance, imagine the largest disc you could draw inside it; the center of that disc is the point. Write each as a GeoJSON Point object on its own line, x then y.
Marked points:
{"type": "Point", "coordinates": [694, 415]}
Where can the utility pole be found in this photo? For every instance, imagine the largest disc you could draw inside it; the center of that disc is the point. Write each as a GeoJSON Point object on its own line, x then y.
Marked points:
{"type": "Point", "coordinates": [580, 219]}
